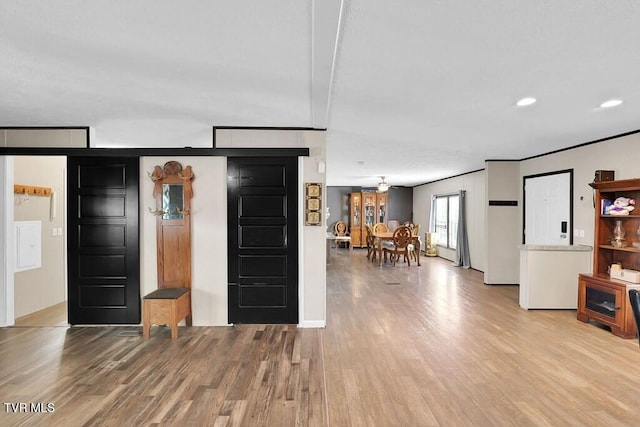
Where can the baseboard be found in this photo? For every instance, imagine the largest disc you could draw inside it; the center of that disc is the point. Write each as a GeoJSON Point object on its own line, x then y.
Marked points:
{"type": "Point", "coordinates": [312, 324]}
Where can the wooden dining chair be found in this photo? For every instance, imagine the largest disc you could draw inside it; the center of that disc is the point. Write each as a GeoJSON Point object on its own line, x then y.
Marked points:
{"type": "Point", "coordinates": [415, 233]}
{"type": "Point", "coordinates": [380, 227]}
{"type": "Point", "coordinates": [401, 239]}
{"type": "Point", "coordinates": [340, 231]}
{"type": "Point", "coordinates": [393, 224]}
{"type": "Point", "coordinates": [371, 244]}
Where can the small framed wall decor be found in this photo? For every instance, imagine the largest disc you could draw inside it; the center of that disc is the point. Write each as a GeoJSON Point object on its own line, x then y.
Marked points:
{"type": "Point", "coordinates": [313, 203]}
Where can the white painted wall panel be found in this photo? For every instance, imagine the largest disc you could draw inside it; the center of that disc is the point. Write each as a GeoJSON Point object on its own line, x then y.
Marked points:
{"type": "Point", "coordinates": [28, 253]}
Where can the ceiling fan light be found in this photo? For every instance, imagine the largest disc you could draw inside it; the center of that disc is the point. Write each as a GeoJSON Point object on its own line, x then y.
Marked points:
{"type": "Point", "coordinates": [611, 103]}
{"type": "Point", "coordinates": [383, 186]}
{"type": "Point", "coordinates": [526, 101]}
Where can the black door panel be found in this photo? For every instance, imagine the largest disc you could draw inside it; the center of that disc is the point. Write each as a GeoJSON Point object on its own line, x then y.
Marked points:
{"type": "Point", "coordinates": [262, 295]}
{"type": "Point", "coordinates": [103, 252]}
{"type": "Point", "coordinates": [260, 206]}
{"type": "Point", "coordinates": [259, 176]}
{"type": "Point", "coordinates": [262, 236]}
{"type": "Point", "coordinates": [262, 266]}
{"type": "Point", "coordinates": [102, 206]}
{"type": "Point", "coordinates": [263, 240]}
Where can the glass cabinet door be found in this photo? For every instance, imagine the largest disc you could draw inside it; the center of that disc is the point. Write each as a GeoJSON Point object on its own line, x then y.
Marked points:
{"type": "Point", "coordinates": [355, 210]}
{"type": "Point", "coordinates": [382, 208]}
{"type": "Point", "coordinates": [369, 209]}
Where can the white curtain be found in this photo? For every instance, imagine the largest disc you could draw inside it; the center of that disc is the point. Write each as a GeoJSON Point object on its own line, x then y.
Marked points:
{"type": "Point", "coordinates": [432, 215]}
{"type": "Point", "coordinates": [462, 248]}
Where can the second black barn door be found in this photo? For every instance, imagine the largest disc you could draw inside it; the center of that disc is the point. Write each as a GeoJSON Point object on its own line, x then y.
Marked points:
{"type": "Point", "coordinates": [263, 239]}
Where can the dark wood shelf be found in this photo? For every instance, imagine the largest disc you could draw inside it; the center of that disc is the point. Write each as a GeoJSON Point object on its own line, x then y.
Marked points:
{"type": "Point", "coordinates": [624, 249]}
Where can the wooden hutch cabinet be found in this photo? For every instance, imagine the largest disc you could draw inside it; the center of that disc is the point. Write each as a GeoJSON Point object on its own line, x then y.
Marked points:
{"type": "Point", "coordinates": [365, 209]}
{"type": "Point", "coordinates": [600, 297]}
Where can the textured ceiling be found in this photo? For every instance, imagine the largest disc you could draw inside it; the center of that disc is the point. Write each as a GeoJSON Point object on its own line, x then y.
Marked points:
{"type": "Point", "coordinates": [414, 90]}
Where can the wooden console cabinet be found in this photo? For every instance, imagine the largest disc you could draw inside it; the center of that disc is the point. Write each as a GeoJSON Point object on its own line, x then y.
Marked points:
{"type": "Point", "coordinates": [601, 298]}
{"type": "Point", "coordinates": [365, 209]}
{"type": "Point", "coordinates": [606, 301]}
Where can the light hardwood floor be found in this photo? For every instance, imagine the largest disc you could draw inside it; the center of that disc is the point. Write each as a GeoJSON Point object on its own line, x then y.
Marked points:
{"type": "Point", "coordinates": [403, 346]}
{"type": "Point", "coordinates": [55, 315]}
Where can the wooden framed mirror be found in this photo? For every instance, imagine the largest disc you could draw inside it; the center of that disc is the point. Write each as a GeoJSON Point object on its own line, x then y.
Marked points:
{"type": "Point", "coordinates": [173, 192]}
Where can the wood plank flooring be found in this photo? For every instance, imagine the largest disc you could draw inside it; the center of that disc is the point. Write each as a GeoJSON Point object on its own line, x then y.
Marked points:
{"type": "Point", "coordinates": [262, 375]}
{"type": "Point", "coordinates": [55, 315]}
{"type": "Point", "coordinates": [403, 346]}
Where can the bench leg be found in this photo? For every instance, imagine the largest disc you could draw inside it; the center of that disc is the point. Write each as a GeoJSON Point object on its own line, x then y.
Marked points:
{"type": "Point", "coordinates": [174, 331]}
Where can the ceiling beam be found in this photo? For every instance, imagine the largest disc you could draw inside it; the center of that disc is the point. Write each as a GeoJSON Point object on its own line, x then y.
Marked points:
{"type": "Point", "coordinates": [325, 26]}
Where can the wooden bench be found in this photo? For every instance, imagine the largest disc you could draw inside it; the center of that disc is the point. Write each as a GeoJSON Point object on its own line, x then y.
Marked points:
{"type": "Point", "coordinates": [166, 306]}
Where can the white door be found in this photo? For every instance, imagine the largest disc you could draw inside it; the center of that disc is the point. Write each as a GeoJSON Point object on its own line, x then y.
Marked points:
{"type": "Point", "coordinates": [547, 205]}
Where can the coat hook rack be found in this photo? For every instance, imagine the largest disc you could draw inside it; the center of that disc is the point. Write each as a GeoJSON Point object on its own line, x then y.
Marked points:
{"type": "Point", "coordinates": [31, 190]}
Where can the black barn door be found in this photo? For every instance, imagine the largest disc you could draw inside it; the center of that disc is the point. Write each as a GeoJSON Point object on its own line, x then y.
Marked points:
{"type": "Point", "coordinates": [103, 246]}
{"type": "Point", "coordinates": [263, 239]}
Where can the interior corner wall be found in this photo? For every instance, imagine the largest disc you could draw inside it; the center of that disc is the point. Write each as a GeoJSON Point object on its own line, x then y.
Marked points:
{"type": "Point", "coordinates": [503, 235]}
{"type": "Point", "coordinates": [42, 287]}
{"type": "Point", "coordinates": [474, 185]}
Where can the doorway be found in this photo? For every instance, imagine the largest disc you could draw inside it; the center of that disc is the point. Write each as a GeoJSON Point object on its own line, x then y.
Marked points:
{"type": "Point", "coordinates": [548, 211]}
{"type": "Point", "coordinates": [263, 239]}
{"type": "Point", "coordinates": [40, 292]}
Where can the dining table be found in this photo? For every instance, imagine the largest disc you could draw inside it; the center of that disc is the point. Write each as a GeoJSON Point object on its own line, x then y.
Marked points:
{"type": "Point", "coordinates": [382, 236]}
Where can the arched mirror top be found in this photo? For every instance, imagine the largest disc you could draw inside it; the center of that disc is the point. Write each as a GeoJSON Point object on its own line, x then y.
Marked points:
{"type": "Point", "coordinates": [172, 190]}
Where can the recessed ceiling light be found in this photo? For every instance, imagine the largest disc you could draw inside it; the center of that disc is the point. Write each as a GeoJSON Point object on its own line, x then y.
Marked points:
{"type": "Point", "coordinates": [525, 101]}
{"type": "Point", "coordinates": [611, 103]}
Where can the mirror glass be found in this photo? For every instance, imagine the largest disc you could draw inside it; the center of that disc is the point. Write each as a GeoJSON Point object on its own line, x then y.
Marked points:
{"type": "Point", "coordinates": [172, 200]}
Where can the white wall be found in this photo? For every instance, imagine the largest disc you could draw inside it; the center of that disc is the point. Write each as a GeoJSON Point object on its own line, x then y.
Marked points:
{"type": "Point", "coordinates": [502, 235]}
{"type": "Point", "coordinates": [45, 286]}
{"type": "Point", "coordinates": [621, 155]}
{"type": "Point", "coordinates": [474, 184]}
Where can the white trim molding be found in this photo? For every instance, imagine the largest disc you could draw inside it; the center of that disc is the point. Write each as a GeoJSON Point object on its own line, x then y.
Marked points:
{"type": "Point", "coordinates": [312, 324]}
{"type": "Point", "coordinates": [7, 314]}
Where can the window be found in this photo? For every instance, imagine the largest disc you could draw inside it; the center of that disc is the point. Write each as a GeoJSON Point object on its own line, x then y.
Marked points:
{"type": "Point", "coordinates": [447, 220]}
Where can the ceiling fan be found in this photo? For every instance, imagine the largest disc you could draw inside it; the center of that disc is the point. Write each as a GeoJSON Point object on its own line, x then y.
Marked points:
{"type": "Point", "coordinates": [383, 186]}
